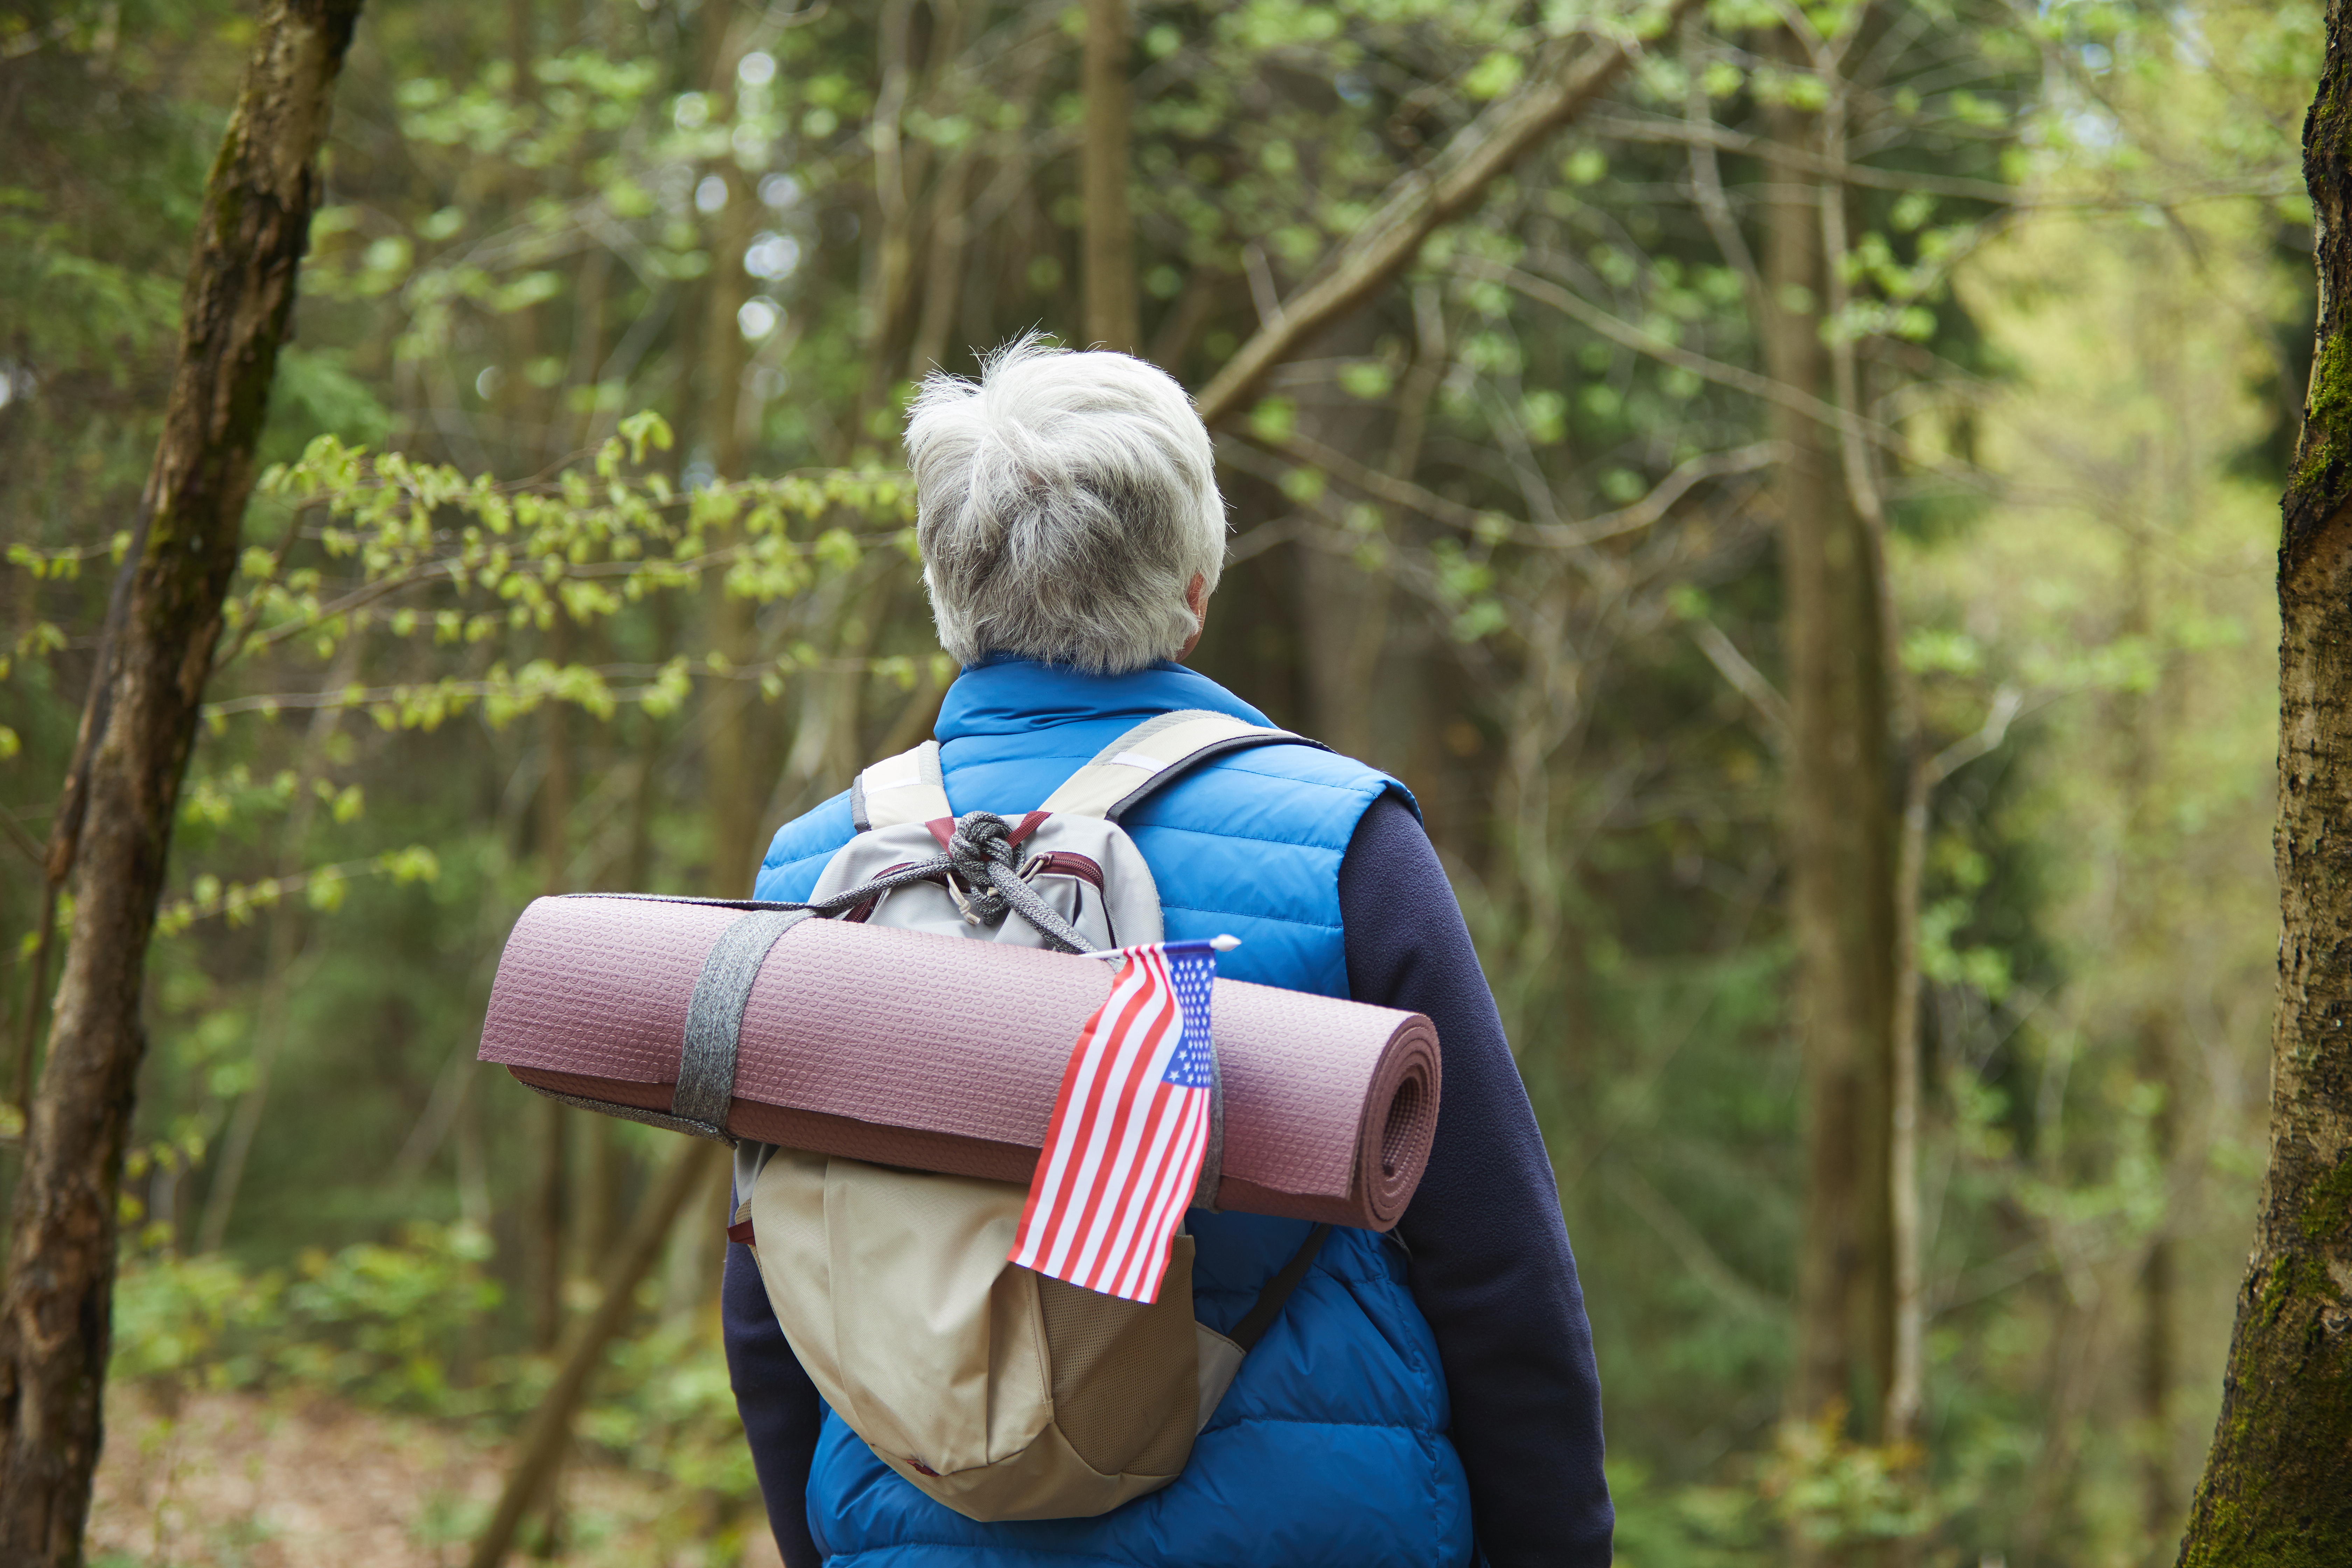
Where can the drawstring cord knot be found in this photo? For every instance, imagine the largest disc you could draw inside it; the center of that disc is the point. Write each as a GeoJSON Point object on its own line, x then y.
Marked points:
{"type": "Point", "coordinates": [984, 878]}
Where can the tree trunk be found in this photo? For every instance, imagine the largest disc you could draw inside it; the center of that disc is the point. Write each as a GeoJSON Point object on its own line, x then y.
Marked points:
{"type": "Point", "coordinates": [53, 1313]}
{"type": "Point", "coordinates": [2274, 1491]}
{"type": "Point", "coordinates": [1341, 609]}
{"type": "Point", "coordinates": [887, 258]}
{"type": "Point", "coordinates": [1906, 1383]}
{"type": "Point", "coordinates": [730, 764]}
{"type": "Point", "coordinates": [1103, 172]}
{"type": "Point", "coordinates": [542, 1442]}
{"type": "Point", "coordinates": [1843, 836]}
{"type": "Point", "coordinates": [550, 1233]}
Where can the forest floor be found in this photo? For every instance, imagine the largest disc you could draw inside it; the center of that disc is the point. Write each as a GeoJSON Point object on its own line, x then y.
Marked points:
{"type": "Point", "coordinates": [250, 1480]}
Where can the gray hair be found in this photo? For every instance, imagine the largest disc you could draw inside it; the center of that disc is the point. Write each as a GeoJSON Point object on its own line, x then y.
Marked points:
{"type": "Point", "coordinates": [1063, 504]}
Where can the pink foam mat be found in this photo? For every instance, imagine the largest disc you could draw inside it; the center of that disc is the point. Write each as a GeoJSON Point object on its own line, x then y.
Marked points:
{"type": "Point", "coordinates": [939, 1054]}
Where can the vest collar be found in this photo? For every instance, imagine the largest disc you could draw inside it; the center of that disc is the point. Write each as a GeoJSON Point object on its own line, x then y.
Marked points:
{"type": "Point", "coordinates": [1005, 695]}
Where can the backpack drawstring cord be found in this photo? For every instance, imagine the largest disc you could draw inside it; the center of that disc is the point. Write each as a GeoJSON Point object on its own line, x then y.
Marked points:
{"type": "Point", "coordinates": [982, 857]}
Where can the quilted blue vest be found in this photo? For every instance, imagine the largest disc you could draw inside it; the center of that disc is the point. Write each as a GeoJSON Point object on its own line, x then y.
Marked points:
{"type": "Point", "coordinates": [1330, 1446]}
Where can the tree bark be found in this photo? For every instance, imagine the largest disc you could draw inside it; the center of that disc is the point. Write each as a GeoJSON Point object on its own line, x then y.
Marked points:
{"type": "Point", "coordinates": [1103, 172]}
{"type": "Point", "coordinates": [54, 1310]}
{"type": "Point", "coordinates": [2275, 1488]}
{"type": "Point", "coordinates": [1843, 835]}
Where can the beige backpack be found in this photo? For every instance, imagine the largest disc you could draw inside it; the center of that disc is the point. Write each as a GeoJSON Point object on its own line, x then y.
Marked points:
{"type": "Point", "coordinates": [999, 1392]}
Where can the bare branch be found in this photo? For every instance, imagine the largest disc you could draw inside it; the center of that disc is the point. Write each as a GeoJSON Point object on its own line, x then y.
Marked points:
{"type": "Point", "coordinates": [26, 844]}
{"type": "Point", "coordinates": [1686, 133]}
{"type": "Point", "coordinates": [2007, 703]}
{"type": "Point", "coordinates": [1706, 177]}
{"type": "Point", "coordinates": [1417, 205]}
{"type": "Point", "coordinates": [1310, 453]}
{"type": "Point", "coordinates": [1745, 679]}
{"type": "Point", "coordinates": [1707, 1265]}
{"type": "Point", "coordinates": [1546, 292]}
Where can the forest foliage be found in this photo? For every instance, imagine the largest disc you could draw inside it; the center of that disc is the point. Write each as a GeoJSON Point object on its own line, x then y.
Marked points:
{"type": "Point", "coordinates": [584, 561]}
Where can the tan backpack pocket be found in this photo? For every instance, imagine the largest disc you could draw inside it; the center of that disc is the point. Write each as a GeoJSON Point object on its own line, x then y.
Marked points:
{"type": "Point", "coordinates": [1124, 1376]}
{"type": "Point", "coordinates": [1000, 1392]}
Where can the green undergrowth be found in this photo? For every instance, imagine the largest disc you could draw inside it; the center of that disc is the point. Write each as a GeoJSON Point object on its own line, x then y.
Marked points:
{"type": "Point", "coordinates": [1844, 1498]}
{"type": "Point", "coordinates": [401, 1327]}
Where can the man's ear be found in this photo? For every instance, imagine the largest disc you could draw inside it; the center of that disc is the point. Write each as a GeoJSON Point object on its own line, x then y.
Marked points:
{"type": "Point", "coordinates": [1196, 599]}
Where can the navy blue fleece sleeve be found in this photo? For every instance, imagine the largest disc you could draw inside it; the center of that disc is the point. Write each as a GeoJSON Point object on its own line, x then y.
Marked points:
{"type": "Point", "coordinates": [778, 1404]}
{"type": "Point", "coordinates": [1491, 1267]}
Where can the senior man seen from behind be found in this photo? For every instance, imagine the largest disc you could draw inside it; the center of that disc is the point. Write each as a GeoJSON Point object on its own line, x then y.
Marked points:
{"type": "Point", "coordinates": [1427, 1397]}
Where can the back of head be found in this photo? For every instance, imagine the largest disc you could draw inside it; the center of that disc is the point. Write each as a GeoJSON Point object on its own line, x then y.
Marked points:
{"type": "Point", "coordinates": [1065, 501]}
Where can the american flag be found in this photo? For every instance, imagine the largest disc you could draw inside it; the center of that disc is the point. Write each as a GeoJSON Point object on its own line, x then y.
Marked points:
{"type": "Point", "coordinates": [1130, 1129]}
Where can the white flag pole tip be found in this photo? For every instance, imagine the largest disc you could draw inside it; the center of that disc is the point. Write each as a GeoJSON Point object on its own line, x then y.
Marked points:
{"type": "Point", "coordinates": [1224, 944]}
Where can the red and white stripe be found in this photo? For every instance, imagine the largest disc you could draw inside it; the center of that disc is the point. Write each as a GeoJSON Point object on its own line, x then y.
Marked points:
{"type": "Point", "coordinates": [1125, 1146]}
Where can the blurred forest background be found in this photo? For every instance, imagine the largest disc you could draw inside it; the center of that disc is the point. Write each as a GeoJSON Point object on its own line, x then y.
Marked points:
{"type": "Point", "coordinates": [2016, 293]}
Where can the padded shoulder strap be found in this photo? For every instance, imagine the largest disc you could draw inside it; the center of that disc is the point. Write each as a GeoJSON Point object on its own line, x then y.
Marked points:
{"type": "Point", "coordinates": [1153, 753]}
{"type": "Point", "coordinates": [900, 789]}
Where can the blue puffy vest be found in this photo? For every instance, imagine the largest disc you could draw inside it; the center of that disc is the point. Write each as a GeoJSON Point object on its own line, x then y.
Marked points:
{"type": "Point", "coordinates": [1330, 1447]}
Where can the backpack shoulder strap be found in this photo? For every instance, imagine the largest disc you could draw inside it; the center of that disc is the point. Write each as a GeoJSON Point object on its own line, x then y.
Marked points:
{"type": "Point", "coordinates": [900, 789]}
{"type": "Point", "coordinates": [1155, 753]}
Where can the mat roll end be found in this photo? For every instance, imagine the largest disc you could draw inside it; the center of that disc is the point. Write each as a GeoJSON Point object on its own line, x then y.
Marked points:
{"type": "Point", "coordinates": [1401, 1122]}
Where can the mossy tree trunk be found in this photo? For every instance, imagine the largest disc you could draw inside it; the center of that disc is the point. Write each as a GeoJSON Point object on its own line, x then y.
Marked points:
{"type": "Point", "coordinates": [56, 1305]}
{"type": "Point", "coordinates": [2277, 1487]}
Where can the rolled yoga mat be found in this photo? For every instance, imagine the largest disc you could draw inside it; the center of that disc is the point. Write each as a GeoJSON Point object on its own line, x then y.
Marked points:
{"type": "Point", "coordinates": [939, 1054]}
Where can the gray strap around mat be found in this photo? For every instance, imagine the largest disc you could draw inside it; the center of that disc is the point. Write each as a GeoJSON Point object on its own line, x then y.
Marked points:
{"type": "Point", "coordinates": [714, 1019]}
{"type": "Point", "coordinates": [1213, 1159]}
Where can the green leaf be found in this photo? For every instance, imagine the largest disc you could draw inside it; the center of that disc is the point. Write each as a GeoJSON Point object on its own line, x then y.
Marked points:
{"type": "Point", "coordinates": [1496, 75]}
{"type": "Point", "coordinates": [1274, 420]}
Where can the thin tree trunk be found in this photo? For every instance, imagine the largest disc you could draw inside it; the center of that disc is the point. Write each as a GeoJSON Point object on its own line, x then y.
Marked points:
{"type": "Point", "coordinates": [1103, 174]}
{"type": "Point", "coordinates": [550, 1252]}
{"type": "Point", "coordinates": [543, 1441]}
{"type": "Point", "coordinates": [888, 256]}
{"type": "Point", "coordinates": [1906, 1380]}
{"type": "Point", "coordinates": [1843, 836]}
{"type": "Point", "coordinates": [948, 208]}
{"type": "Point", "coordinates": [943, 275]}
{"type": "Point", "coordinates": [730, 764]}
{"type": "Point", "coordinates": [548, 1235]}
{"type": "Point", "coordinates": [589, 293]}
{"type": "Point", "coordinates": [55, 1306]}
{"type": "Point", "coordinates": [2274, 1491]}
{"type": "Point", "coordinates": [283, 950]}
{"type": "Point", "coordinates": [1341, 608]}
